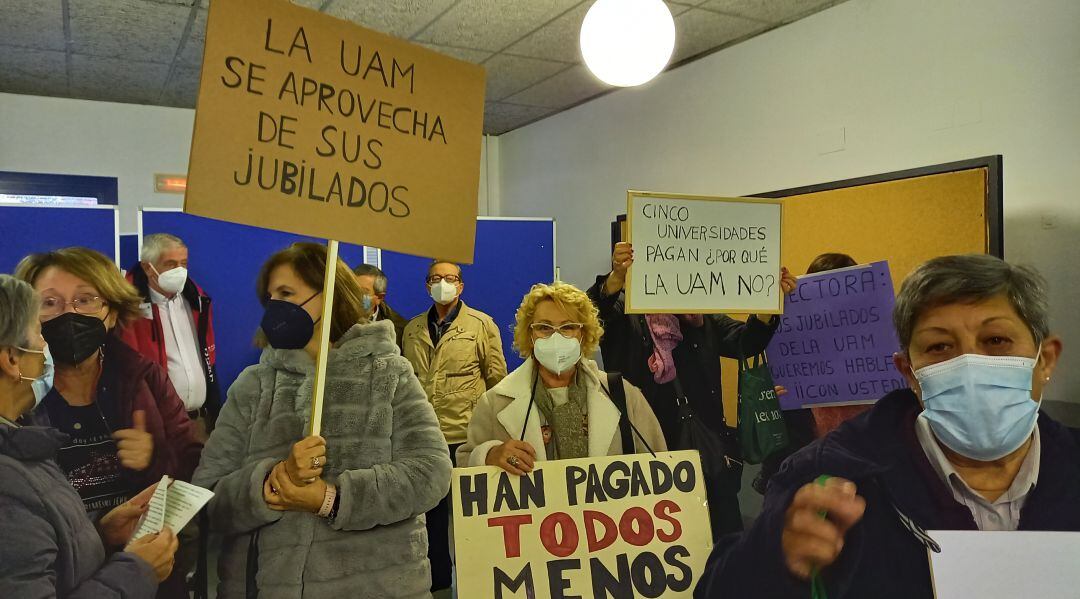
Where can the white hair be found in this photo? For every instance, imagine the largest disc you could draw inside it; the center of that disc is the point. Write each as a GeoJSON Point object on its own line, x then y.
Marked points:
{"type": "Point", "coordinates": [153, 245]}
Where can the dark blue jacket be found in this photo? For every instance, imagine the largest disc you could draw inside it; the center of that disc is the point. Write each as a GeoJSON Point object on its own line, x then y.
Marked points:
{"type": "Point", "coordinates": [885, 555]}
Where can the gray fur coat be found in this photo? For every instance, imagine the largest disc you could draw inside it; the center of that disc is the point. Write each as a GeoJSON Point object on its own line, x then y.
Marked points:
{"type": "Point", "coordinates": [384, 452]}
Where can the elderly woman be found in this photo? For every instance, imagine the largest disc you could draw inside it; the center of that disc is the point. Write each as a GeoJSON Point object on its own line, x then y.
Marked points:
{"type": "Point", "coordinates": [337, 515]}
{"type": "Point", "coordinates": [557, 405]}
{"type": "Point", "coordinates": [126, 425]}
{"type": "Point", "coordinates": [50, 548]}
{"type": "Point", "coordinates": [964, 449]}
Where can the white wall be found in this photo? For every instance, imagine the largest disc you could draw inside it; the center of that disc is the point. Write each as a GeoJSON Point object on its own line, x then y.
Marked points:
{"type": "Point", "coordinates": [126, 141]}
{"type": "Point", "coordinates": [890, 84]}
{"type": "Point", "coordinates": [80, 137]}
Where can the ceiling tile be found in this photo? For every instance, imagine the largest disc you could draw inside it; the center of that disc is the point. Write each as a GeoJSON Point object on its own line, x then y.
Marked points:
{"type": "Point", "coordinates": [115, 80]}
{"type": "Point", "coordinates": [500, 118]}
{"type": "Point", "coordinates": [772, 11]}
{"type": "Point", "coordinates": [129, 29]}
{"type": "Point", "coordinates": [466, 54]}
{"type": "Point", "coordinates": [191, 53]}
{"type": "Point", "coordinates": [492, 24]}
{"type": "Point", "coordinates": [400, 18]}
{"type": "Point", "coordinates": [698, 31]}
{"type": "Point", "coordinates": [183, 88]}
{"type": "Point", "coordinates": [557, 40]}
{"type": "Point", "coordinates": [34, 72]}
{"type": "Point", "coordinates": [313, 4]}
{"type": "Point", "coordinates": [32, 24]}
{"type": "Point", "coordinates": [508, 75]}
{"type": "Point", "coordinates": [565, 89]}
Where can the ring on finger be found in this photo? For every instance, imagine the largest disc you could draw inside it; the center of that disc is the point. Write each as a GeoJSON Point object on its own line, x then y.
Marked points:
{"type": "Point", "coordinates": [316, 462]}
{"type": "Point", "coordinates": [513, 461]}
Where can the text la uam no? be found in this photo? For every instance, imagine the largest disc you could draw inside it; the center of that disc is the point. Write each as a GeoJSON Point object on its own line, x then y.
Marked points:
{"type": "Point", "coordinates": [710, 283]}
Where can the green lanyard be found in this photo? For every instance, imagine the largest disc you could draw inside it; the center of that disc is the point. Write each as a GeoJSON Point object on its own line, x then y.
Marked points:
{"type": "Point", "coordinates": [817, 583]}
{"type": "Point", "coordinates": [6, 421]}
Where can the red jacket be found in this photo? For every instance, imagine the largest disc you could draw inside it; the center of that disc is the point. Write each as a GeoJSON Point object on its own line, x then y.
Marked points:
{"type": "Point", "coordinates": [147, 337]}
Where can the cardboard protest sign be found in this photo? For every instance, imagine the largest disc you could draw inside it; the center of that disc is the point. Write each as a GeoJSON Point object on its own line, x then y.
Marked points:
{"type": "Point", "coordinates": [698, 254]}
{"type": "Point", "coordinates": [623, 526]}
{"type": "Point", "coordinates": [314, 125]}
{"type": "Point", "coordinates": [836, 339]}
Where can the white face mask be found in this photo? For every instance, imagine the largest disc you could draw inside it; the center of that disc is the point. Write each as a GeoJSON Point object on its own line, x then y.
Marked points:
{"type": "Point", "coordinates": [444, 292]}
{"type": "Point", "coordinates": [557, 353]}
{"type": "Point", "coordinates": [172, 280]}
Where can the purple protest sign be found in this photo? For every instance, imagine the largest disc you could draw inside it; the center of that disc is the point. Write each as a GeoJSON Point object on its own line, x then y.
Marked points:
{"type": "Point", "coordinates": [836, 340]}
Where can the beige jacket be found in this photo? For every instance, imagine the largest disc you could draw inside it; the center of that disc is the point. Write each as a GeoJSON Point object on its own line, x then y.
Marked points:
{"type": "Point", "coordinates": [500, 416]}
{"type": "Point", "coordinates": [468, 361]}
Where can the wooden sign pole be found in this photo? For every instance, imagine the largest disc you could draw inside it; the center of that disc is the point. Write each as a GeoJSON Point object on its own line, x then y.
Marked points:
{"type": "Point", "coordinates": [329, 281]}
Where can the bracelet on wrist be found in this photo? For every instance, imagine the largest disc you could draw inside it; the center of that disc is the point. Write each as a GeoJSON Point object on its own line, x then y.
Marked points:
{"type": "Point", "coordinates": [329, 499]}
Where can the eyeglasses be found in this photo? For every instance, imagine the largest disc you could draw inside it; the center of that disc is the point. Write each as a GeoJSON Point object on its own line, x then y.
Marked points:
{"type": "Point", "coordinates": [452, 279]}
{"type": "Point", "coordinates": [544, 330]}
{"type": "Point", "coordinates": [52, 307]}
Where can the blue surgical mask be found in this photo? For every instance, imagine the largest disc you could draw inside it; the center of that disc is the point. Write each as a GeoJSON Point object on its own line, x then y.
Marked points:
{"type": "Point", "coordinates": [366, 301]}
{"type": "Point", "coordinates": [43, 384]}
{"type": "Point", "coordinates": [980, 406]}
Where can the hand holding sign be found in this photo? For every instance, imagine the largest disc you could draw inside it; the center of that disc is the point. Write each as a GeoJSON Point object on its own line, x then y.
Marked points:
{"type": "Point", "coordinates": [788, 282]}
{"type": "Point", "coordinates": [516, 457]}
{"type": "Point", "coordinates": [621, 261]}
{"type": "Point", "coordinates": [306, 460]}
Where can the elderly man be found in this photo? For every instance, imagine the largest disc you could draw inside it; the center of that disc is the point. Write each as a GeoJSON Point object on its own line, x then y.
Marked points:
{"type": "Point", "coordinates": [457, 354]}
{"type": "Point", "coordinates": [964, 448]}
{"type": "Point", "coordinates": [373, 283]}
{"type": "Point", "coordinates": [177, 327]}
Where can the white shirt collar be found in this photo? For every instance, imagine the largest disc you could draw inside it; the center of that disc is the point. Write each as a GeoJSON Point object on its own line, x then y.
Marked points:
{"type": "Point", "coordinates": [159, 299]}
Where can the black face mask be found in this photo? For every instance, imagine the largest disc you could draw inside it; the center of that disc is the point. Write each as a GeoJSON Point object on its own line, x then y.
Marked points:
{"type": "Point", "coordinates": [287, 325]}
{"type": "Point", "coordinates": [74, 337]}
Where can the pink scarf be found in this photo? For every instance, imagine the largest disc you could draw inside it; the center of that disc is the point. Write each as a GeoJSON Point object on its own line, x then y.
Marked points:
{"type": "Point", "coordinates": [666, 333]}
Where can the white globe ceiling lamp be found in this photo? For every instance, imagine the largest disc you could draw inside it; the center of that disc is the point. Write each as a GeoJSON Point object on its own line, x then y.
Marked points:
{"type": "Point", "coordinates": [627, 42]}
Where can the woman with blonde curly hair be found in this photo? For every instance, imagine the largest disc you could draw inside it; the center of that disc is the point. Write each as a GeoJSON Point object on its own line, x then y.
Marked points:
{"type": "Point", "coordinates": [557, 405]}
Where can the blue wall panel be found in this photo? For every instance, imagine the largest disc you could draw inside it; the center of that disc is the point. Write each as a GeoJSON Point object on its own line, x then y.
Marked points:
{"type": "Point", "coordinates": [511, 256]}
{"type": "Point", "coordinates": [28, 229]}
{"type": "Point", "coordinates": [225, 259]}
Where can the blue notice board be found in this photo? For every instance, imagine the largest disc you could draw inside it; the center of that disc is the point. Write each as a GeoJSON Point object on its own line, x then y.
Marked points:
{"type": "Point", "coordinates": [30, 229]}
{"type": "Point", "coordinates": [511, 256]}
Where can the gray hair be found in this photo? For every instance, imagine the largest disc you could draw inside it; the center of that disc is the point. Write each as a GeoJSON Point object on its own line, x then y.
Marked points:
{"type": "Point", "coordinates": [374, 271]}
{"type": "Point", "coordinates": [18, 308]}
{"type": "Point", "coordinates": [971, 278]}
{"type": "Point", "coordinates": [153, 245]}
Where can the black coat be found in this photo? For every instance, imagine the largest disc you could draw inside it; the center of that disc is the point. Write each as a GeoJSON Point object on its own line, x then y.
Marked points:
{"type": "Point", "coordinates": [883, 554]}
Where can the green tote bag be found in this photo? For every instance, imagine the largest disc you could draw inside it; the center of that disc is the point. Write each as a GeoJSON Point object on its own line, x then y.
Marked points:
{"type": "Point", "coordinates": [762, 430]}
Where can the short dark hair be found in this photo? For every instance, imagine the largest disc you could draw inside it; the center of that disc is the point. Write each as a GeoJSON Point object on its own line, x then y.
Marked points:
{"type": "Point", "coordinates": [971, 278]}
{"type": "Point", "coordinates": [436, 262]}
{"type": "Point", "coordinates": [831, 261]}
{"type": "Point", "coordinates": [370, 270]}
